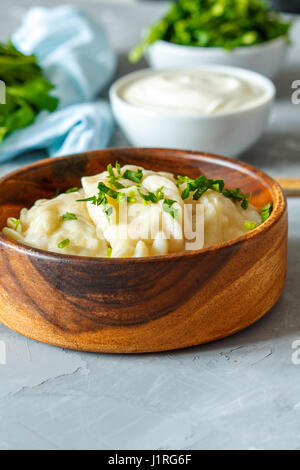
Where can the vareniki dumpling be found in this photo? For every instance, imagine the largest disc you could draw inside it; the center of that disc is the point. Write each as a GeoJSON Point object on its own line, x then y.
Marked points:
{"type": "Point", "coordinates": [134, 212]}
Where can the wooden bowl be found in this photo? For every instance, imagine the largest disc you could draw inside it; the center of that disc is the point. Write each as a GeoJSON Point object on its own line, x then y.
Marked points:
{"type": "Point", "coordinates": [140, 304]}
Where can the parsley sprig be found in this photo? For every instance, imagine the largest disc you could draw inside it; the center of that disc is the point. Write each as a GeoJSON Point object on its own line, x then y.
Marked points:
{"type": "Point", "coordinates": [152, 197]}
{"type": "Point", "coordinates": [200, 185]}
{"type": "Point", "coordinates": [168, 207]}
{"type": "Point", "coordinates": [266, 211]}
{"type": "Point", "coordinates": [63, 243]}
{"type": "Point", "coordinates": [69, 216]}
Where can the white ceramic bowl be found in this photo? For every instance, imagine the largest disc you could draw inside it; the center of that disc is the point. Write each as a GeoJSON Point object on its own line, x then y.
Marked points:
{"type": "Point", "coordinates": [266, 58]}
{"type": "Point", "coordinates": [227, 133]}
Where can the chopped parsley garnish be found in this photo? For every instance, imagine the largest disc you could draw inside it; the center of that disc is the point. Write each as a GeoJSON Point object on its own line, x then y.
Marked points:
{"type": "Point", "coordinates": [69, 216]}
{"type": "Point", "coordinates": [129, 197]}
{"type": "Point", "coordinates": [182, 179]}
{"type": "Point", "coordinates": [250, 225]}
{"type": "Point", "coordinates": [237, 196]}
{"type": "Point", "coordinates": [266, 211]}
{"type": "Point", "coordinates": [108, 253]}
{"type": "Point", "coordinates": [135, 176]}
{"type": "Point", "coordinates": [57, 192]}
{"type": "Point", "coordinates": [16, 222]}
{"type": "Point", "coordinates": [118, 168]}
{"type": "Point", "coordinates": [107, 210]}
{"type": "Point", "coordinates": [113, 179]}
{"type": "Point", "coordinates": [152, 197]}
{"type": "Point", "coordinates": [167, 207]}
{"type": "Point", "coordinates": [103, 189]}
{"type": "Point", "coordinates": [63, 243]}
{"type": "Point", "coordinates": [200, 185]}
{"type": "Point", "coordinates": [72, 190]}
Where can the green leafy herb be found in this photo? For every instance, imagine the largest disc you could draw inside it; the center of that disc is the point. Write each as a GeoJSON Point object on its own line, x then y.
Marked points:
{"type": "Point", "coordinates": [266, 211]}
{"type": "Point", "coordinates": [167, 207]}
{"type": "Point", "coordinates": [63, 243]}
{"type": "Point", "coordinates": [182, 179]}
{"type": "Point", "coordinates": [135, 176]}
{"type": "Point", "coordinates": [250, 225]}
{"type": "Point", "coordinates": [16, 222]}
{"type": "Point", "coordinates": [113, 179]}
{"type": "Point", "coordinates": [27, 90]}
{"type": "Point", "coordinates": [237, 196]}
{"type": "Point", "coordinates": [118, 168]}
{"type": "Point", "coordinates": [72, 190]}
{"type": "Point", "coordinates": [57, 192]}
{"type": "Point", "coordinates": [215, 23]}
{"type": "Point", "coordinates": [107, 210]}
{"type": "Point", "coordinates": [108, 253]}
{"type": "Point", "coordinates": [152, 197]}
{"type": "Point", "coordinates": [200, 185]}
{"type": "Point", "coordinates": [103, 189]}
{"type": "Point", "coordinates": [69, 216]}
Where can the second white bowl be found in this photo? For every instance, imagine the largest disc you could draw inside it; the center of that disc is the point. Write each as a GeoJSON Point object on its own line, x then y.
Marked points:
{"type": "Point", "coordinates": [266, 58]}
{"type": "Point", "coordinates": [227, 133]}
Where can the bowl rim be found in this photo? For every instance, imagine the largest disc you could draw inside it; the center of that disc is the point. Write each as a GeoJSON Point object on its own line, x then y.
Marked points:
{"type": "Point", "coordinates": [204, 49]}
{"type": "Point", "coordinates": [250, 75]}
{"type": "Point", "coordinates": [279, 208]}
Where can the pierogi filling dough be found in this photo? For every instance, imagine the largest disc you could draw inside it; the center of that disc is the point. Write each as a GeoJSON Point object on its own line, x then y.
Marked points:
{"type": "Point", "coordinates": [89, 222]}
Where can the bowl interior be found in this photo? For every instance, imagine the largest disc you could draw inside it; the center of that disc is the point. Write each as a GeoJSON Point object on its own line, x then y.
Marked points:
{"type": "Point", "coordinates": [41, 180]}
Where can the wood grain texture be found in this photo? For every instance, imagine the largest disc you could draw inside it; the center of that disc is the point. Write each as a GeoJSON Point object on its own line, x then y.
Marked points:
{"type": "Point", "coordinates": [290, 186]}
{"type": "Point", "coordinates": [140, 304]}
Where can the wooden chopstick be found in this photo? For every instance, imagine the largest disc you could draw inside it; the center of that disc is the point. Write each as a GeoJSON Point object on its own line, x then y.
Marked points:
{"type": "Point", "coordinates": [290, 186]}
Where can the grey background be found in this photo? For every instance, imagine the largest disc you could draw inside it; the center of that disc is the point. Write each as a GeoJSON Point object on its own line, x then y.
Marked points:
{"type": "Point", "coordinates": [239, 393]}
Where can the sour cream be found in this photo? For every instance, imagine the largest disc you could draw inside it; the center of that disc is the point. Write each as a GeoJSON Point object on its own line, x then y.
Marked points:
{"type": "Point", "coordinates": [191, 91]}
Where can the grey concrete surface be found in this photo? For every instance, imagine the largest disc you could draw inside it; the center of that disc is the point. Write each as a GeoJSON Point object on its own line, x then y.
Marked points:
{"type": "Point", "coordinates": [239, 393]}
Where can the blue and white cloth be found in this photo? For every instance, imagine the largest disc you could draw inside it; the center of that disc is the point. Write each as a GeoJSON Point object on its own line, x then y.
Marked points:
{"type": "Point", "coordinates": [78, 60]}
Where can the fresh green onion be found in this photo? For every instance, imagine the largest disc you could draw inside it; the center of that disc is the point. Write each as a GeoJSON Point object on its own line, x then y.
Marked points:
{"type": "Point", "coordinates": [63, 243]}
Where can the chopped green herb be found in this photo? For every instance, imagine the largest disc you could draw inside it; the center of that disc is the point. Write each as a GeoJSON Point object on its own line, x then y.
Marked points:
{"type": "Point", "coordinates": [113, 179]}
{"type": "Point", "coordinates": [110, 170]}
{"type": "Point", "coordinates": [237, 196]}
{"type": "Point", "coordinates": [118, 168]}
{"type": "Point", "coordinates": [72, 190]}
{"type": "Point", "coordinates": [92, 199]}
{"type": "Point", "coordinates": [28, 92]}
{"type": "Point", "coordinates": [107, 210]}
{"type": "Point", "coordinates": [215, 23]}
{"type": "Point", "coordinates": [69, 216]}
{"type": "Point", "coordinates": [250, 225]}
{"type": "Point", "coordinates": [135, 176]}
{"type": "Point", "coordinates": [167, 207]}
{"type": "Point", "coordinates": [266, 211]}
{"type": "Point", "coordinates": [57, 192]}
{"type": "Point", "coordinates": [63, 243]}
{"type": "Point", "coordinates": [106, 190]}
{"type": "Point", "coordinates": [182, 179]}
{"type": "Point", "coordinates": [16, 222]}
{"type": "Point", "coordinates": [200, 185]}
{"type": "Point", "coordinates": [108, 253]}
{"type": "Point", "coordinates": [152, 197]}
